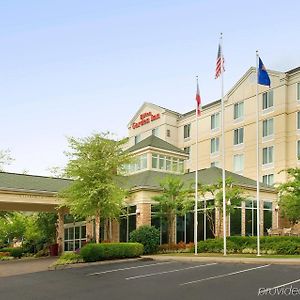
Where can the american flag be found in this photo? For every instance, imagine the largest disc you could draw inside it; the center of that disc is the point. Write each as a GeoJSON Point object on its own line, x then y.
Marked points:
{"type": "Point", "coordinates": [220, 61]}
{"type": "Point", "coordinates": [198, 100]}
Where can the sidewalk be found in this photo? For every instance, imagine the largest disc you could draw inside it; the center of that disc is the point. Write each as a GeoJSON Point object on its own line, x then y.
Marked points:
{"type": "Point", "coordinates": [228, 259]}
{"type": "Point", "coordinates": [25, 266]}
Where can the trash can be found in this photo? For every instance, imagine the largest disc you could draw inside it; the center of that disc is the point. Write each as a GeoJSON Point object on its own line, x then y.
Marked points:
{"type": "Point", "coordinates": [53, 249]}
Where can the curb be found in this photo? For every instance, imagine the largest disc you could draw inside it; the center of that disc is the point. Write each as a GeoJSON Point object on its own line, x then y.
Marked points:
{"type": "Point", "coordinates": [96, 263]}
{"type": "Point", "coordinates": [246, 260]}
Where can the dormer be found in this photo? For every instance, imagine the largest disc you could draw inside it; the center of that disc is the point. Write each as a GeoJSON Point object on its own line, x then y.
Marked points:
{"type": "Point", "coordinates": [153, 153]}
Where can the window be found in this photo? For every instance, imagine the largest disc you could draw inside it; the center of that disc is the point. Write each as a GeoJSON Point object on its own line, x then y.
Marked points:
{"type": "Point", "coordinates": [298, 150]}
{"type": "Point", "coordinates": [187, 131]}
{"type": "Point", "coordinates": [139, 163]}
{"type": "Point", "coordinates": [155, 131]}
{"type": "Point", "coordinates": [137, 139]}
{"type": "Point", "coordinates": [168, 133]}
{"type": "Point", "coordinates": [167, 163]}
{"type": "Point", "coordinates": [238, 110]}
{"type": "Point", "coordinates": [154, 161]}
{"type": "Point", "coordinates": [238, 163]}
{"type": "Point", "coordinates": [127, 223]}
{"type": "Point", "coordinates": [214, 145]}
{"type": "Point", "coordinates": [268, 153]}
{"type": "Point", "coordinates": [187, 150]}
{"type": "Point", "coordinates": [215, 164]}
{"type": "Point", "coordinates": [215, 121]}
{"type": "Point", "coordinates": [74, 236]}
{"type": "Point", "coordinates": [298, 91]}
{"type": "Point", "coordinates": [268, 179]}
{"type": "Point", "coordinates": [267, 99]}
{"type": "Point", "coordinates": [298, 120]}
{"type": "Point", "coordinates": [238, 136]}
{"type": "Point", "coordinates": [268, 127]}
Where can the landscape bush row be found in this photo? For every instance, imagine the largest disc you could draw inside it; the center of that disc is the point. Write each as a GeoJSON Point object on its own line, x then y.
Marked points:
{"type": "Point", "coordinates": [284, 245]}
{"type": "Point", "coordinates": [103, 251]}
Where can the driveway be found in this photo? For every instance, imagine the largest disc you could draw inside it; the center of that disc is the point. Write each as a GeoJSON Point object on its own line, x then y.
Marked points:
{"type": "Point", "coordinates": [25, 266]}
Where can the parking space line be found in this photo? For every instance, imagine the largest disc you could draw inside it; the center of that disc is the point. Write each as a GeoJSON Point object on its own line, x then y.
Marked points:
{"type": "Point", "coordinates": [129, 268]}
{"type": "Point", "coordinates": [165, 272]}
{"type": "Point", "coordinates": [223, 275]}
{"type": "Point", "coordinates": [282, 285]}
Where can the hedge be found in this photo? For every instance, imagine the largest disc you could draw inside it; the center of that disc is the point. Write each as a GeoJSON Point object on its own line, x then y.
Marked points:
{"type": "Point", "coordinates": [148, 236]}
{"type": "Point", "coordinates": [14, 252]}
{"type": "Point", "coordinates": [95, 252]}
{"type": "Point", "coordinates": [285, 245]}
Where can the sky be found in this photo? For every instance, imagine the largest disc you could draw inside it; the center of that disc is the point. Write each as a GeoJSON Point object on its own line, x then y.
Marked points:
{"type": "Point", "coordinates": [73, 68]}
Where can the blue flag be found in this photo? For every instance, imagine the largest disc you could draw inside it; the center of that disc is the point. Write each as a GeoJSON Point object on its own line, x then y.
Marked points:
{"type": "Point", "coordinates": [263, 76]}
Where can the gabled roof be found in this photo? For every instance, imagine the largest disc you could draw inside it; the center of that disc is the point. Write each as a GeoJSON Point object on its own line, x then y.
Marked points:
{"type": "Point", "coordinates": [32, 183]}
{"type": "Point", "coordinates": [155, 142]}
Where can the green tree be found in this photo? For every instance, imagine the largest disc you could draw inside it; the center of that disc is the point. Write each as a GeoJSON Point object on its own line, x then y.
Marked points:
{"type": "Point", "coordinates": [289, 196]}
{"type": "Point", "coordinates": [234, 196]}
{"type": "Point", "coordinates": [93, 164]}
{"type": "Point", "coordinates": [174, 200]}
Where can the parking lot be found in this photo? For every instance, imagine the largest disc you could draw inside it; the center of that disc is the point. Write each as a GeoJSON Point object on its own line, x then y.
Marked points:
{"type": "Point", "coordinates": [157, 280]}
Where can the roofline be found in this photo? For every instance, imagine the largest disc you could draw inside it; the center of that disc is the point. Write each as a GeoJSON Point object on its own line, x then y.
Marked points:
{"type": "Point", "coordinates": [158, 149]}
{"type": "Point", "coordinates": [10, 190]}
{"type": "Point", "coordinates": [206, 106]}
{"type": "Point", "coordinates": [31, 175]}
{"type": "Point", "coordinates": [293, 70]}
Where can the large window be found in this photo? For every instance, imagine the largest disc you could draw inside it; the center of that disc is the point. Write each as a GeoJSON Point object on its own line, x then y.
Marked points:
{"type": "Point", "coordinates": [298, 91]}
{"type": "Point", "coordinates": [298, 150]}
{"type": "Point", "coordinates": [238, 110]}
{"type": "Point", "coordinates": [74, 237]}
{"type": "Point", "coordinates": [187, 131]}
{"type": "Point", "coordinates": [238, 136]}
{"type": "Point", "coordinates": [214, 145]}
{"type": "Point", "coordinates": [267, 216]}
{"type": "Point", "coordinates": [127, 223]}
{"type": "Point", "coordinates": [267, 99]}
{"type": "Point", "coordinates": [298, 120]}
{"type": "Point", "coordinates": [268, 155]}
{"type": "Point", "coordinates": [167, 163]}
{"type": "Point", "coordinates": [139, 163]}
{"type": "Point", "coordinates": [215, 121]}
{"type": "Point", "coordinates": [268, 179]}
{"type": "Point", "coordinates": [268, 127]}
{"type": "Point", "coordinates": [250, 221]}
{"type": "Point", "coordinates": [238, 163]}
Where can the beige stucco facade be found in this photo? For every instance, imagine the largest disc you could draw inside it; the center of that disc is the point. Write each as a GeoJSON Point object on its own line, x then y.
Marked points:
{"type": "Point", "coordinates": [170, 127]}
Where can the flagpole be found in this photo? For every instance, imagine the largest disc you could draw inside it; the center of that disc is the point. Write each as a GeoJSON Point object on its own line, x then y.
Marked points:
{"type": "Point", "coordinates": [196, 183]}
{"type": "Point", "coordinates": [223, 149]}
{"type": "Point", "coordinates": [257, 160]}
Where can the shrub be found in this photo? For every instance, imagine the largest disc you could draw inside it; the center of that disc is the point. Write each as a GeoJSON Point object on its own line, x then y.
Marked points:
{"type": "Point", "coordinates": [148, 236]}
{"type": "Point", "coordinates": [103, 251]}
{"type": "Point", "coordinates": [68, 258]}
{"type": "Point", "coordinates": [16, 252]}
{"type": "Point", "coordinates": [239, 244]}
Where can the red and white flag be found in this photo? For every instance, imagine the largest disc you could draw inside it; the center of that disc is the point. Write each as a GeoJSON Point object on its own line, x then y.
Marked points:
{"type": "Point", "coordinates": [220, 63]}
{"type": "Point", "coordinates": [198, 100]}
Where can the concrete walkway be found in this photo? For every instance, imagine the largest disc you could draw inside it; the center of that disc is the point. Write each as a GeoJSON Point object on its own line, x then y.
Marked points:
{"type": "Point", "coordinates": [228, 259]}
{"type": "Point", "coordinates": [25, 266]}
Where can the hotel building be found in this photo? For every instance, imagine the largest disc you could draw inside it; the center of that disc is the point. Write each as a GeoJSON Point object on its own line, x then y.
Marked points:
{"type": "Point", "coordinates": [163, 142]}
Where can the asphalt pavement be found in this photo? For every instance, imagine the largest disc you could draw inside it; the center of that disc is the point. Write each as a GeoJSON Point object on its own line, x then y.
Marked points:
{"type": "Point", "coordinates": [157, 280]}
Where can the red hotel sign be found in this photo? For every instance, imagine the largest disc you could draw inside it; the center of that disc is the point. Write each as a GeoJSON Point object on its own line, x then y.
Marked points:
{"type": "Point", "coordinates": [145, 118]}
